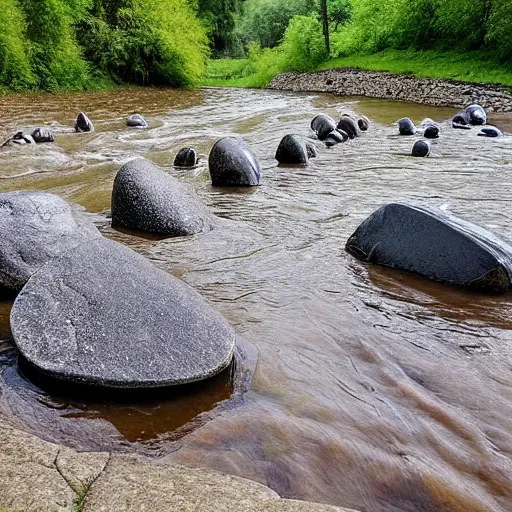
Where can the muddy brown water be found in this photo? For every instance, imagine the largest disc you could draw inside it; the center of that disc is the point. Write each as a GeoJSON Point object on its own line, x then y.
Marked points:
{"type": "Point", "coordinates": [375, 389]}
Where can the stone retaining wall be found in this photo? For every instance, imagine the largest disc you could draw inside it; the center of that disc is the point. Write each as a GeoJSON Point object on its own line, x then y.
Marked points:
{"type": "Point", "coordinates": [373, 84]}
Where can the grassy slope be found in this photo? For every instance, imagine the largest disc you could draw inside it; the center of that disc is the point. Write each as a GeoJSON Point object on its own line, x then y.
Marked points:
{"type": "Point", "coordinates": [469, 67]}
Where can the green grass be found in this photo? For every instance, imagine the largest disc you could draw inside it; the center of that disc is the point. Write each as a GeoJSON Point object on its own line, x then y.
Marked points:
{"type": "Point", "coordinates": [468, 67]}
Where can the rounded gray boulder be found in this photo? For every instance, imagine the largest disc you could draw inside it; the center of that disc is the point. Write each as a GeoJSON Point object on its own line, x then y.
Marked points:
{"type": "Point", "coordinates": [232, 164]}
{"type": "Point", "coordinates": [148, 199]}
{"type": "Point", "coordinates": [435, 245]}
{"type": "Point", "coordinates": [292, 150]}
{"type": "Point", "coordinates": [43, 134]}
{"type": "Point", "coordinates": [406, 126]}
{"type": "Point", "coordinates": [421, 148]}
{"type": "Point", "coordinates": [35, 227]}
{"type": "Point", "coordinates": [103, 315]}
{"type": "Point", "coordinates": [323, 125]}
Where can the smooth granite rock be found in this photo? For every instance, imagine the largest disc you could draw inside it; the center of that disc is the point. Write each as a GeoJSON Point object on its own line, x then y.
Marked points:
{"type": "Point", "coordinates": [148, 199]}
{"type": "Point", "coordinates": [34, 228]}
{"type": "Point", "coordinates": [136, 121]}
{"type": "Point", "coordinates": [349, 126]}
{"type": "Point", "coordinates": [430, 129]}
{"type": "Point", "coordinates": [490, 131]}
{"type": "Point", "coordinates": [83, 123]}
{"type": "Point", "coordinates": [186, 157]}
{"type": "Point", "coordinates": [421, 148]}
{"type": "Point", "coordinates": [406, 126]}
{"type": "Point", "coordinates": [435, 245]}
{"type": "Point", "coordinates": [43, 134]}
{"type": "Point", "coordinates": [101, 314]}
{"type": "Point", "coordinates": [292, 150]}
{"type": "Point", "coordinates": [232, 164]}
{"type": "Point", "coordinates": [323, 125]}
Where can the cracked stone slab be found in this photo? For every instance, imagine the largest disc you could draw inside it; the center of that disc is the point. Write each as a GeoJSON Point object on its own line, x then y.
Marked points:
{"type": "Point", "coordinates": [34, 228]}
{"type": "Point", "coordinates": [29, 480]}
{"type": "Point", "coordinates": [132, 485]}
{"type": "Point", "coordinates": [101, 314]}
{"type": "Point", "coordinates": [80, 469]}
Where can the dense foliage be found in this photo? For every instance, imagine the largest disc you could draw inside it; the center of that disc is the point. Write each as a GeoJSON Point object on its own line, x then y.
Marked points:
{"type": "Point", "coordinates": [72, 44]}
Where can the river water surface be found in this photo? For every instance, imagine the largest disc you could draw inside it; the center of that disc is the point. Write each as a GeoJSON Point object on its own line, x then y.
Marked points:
{"type": "Point", "coordinates": [375, 389]}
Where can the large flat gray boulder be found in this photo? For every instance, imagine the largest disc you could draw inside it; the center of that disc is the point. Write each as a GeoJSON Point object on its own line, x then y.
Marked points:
{"type": "Point", "coordinates": [34, 228]}
{"type": "Point", "coordinates": [146, 198]}
{"type": "Point", "coordinates": [433, 244]}
{"type": "Point", "coordinates": [101, 314]}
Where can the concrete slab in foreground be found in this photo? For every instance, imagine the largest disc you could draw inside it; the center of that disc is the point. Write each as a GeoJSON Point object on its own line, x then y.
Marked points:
{"type": "Point", "coordinates": [37, 476]}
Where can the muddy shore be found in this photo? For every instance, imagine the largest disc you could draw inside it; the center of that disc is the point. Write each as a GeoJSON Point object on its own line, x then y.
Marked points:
{"type": "Point", "coordinates": [373, 84]}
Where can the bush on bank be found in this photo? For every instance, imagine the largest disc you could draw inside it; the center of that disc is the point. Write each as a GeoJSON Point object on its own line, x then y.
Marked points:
{"type": "Point", "coordinates": [74, 44]}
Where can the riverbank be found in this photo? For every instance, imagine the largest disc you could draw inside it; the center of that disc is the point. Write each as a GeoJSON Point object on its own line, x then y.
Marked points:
{"type": "Point", "coordinates": [383, 85]}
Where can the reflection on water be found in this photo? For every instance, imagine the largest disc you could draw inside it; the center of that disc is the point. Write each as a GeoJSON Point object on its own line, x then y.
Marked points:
{"type": "Point", "coordinates": [375, 389]}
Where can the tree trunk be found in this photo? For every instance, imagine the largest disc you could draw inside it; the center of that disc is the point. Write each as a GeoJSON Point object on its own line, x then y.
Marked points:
{"type": "Point", "coordinates": [325, 25]}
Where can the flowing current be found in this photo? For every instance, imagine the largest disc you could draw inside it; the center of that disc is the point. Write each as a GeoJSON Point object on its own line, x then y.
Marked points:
{"type": "Point", "coordinates": [375, 389]}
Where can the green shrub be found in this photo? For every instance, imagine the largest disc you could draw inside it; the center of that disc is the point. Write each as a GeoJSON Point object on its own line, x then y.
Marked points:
{"type": "Point", "coordinates": [499, 29]}
{"type": "Point", "coordinates": [15, 71]}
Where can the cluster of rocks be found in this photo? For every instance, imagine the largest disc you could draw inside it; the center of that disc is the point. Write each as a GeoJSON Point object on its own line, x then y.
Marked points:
{"type": "Point", "coordinates": [93, 311]}
{"type": "Point", "coordinates": [374, 84]}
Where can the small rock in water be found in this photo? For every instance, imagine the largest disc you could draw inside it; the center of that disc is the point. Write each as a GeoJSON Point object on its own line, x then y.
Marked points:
{"type": "Point", "coordinates": [364, 123]}
{"type": "Point", "coordinates": [475, 114]}
{"type": "Point", "coordinates": [348, 125]}
{"type": "Point", "coordinates": [35, 227]}
{"type": "Point", "coordinates": [43, 134]}
{"type": "Point", "coordinates": [21, 138]}
{"type": "Point", "coordinates": [83, 123]}
{"type": "Point", "coordinates": [292, 150]}
{"type": "Point", "coordinates": [433, 244]}
{"type": "Point", "coordinates": [406, 126]}
{"type": "Point", "coordinates": [421, 148]}
{"type": "Point", "coordinates": [335, 137]}
{"type": "Point", "coordinates": [311, 149]}
{"type": "Point", "coordinates": [490, 131]}
{"type": "Point", "coordinates": [323, 125]}
{"type": "Point", "coordinates": [146, 198]}
{"type": "Point", "coordinates": [186, 157]}
{"type": "Point", "coordinates": [136, 121]}
{"type": "Point", "coordinates": [431, 131]}
{"type": "Point", "coordinates": [103, 315]}
{"type": "Point", "coordinates": [232, 164]}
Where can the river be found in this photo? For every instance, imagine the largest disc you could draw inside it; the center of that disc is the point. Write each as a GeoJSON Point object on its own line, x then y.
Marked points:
{"type": "Point", "coordinates": [375, 389]}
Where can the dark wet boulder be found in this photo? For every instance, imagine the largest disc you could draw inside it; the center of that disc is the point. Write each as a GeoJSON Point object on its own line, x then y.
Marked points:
{"type": "Point", "coordinates": [435, 245]}
{"type": "Point", "coordinates": [136, 121]}
{"type": "Point", "coordinates": [475, 114]}
{"type": "Point", "coordinates": [103, 315]}
{"type": "Point", "coordinates": [349, 126]}
{"type": "Point", "coordinates": [406, 126]}
{"type": "Point", "coordinates": [311, 149]}
{"type": "Point", "coordinates": [335, 137]}
{"type": "Point", "coordinates": [490, 131]}
{"type": "Point", "coordinates": [232, 164]}
{"type": "Point", "coordinates": [421, 148]}
{"type": "Point", "coordinates": [35, 227]}
{"type": "Point", "coordinates": [43, 134]}
{"type": "Point", "coordinates": [431, 131]}
{"type": "Point", "coordinates": [292, 150]}
{"type": "Point", "coordinates": [363, 123]}
{"type": "Point", "coordinates": [83, 123]}
{"type": "Point", "coordinates": [323, 125]}
{"type": "Point", "coordinates": [186, 157]}
{"type": "Point", "coordinates": [148, 199]}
